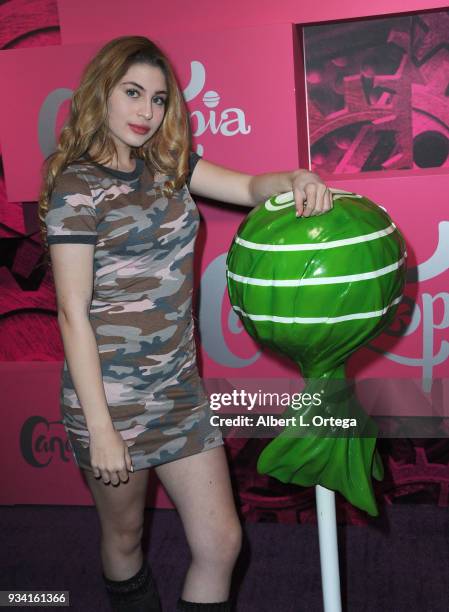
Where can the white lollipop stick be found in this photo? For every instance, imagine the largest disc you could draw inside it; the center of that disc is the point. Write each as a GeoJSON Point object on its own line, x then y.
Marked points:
{"type": "Point", "coordinates": [327, 535]}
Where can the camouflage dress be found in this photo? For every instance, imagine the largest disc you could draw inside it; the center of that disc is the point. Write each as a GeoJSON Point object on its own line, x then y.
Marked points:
{"type": "Point", "coordinates": [141, 310]}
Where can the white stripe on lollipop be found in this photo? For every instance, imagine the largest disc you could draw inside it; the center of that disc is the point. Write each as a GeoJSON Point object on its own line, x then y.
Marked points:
{"type": "Point", "coordinates": [327, 320]}
{"type": "Point", "coordinates": [324, 280]}
{"type": "Point", "coordinates": [316, 246]}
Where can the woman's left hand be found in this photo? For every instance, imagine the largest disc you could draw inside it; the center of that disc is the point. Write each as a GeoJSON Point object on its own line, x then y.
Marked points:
{"type": "Point", "coordinates": [312, 196]}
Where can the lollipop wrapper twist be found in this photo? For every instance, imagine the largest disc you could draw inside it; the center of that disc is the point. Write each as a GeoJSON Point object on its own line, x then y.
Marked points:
{"type": "Point", "coordinates": [339, 459]}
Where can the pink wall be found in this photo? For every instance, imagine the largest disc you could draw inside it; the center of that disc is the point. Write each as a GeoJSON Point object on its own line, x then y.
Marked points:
{"type": "Point", "coordinates": [37, 464]}
{"type": "Point", "coordinates": [82, 20]}
{"type": "Point", "coordinates": [250, 113]}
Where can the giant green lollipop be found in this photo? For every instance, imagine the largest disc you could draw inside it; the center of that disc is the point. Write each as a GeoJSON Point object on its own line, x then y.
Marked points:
{"type": "Point", "coordinates": [316, 289]}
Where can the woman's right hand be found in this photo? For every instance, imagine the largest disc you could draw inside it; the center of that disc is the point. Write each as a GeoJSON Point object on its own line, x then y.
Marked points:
{"type": "Point", "coordinates": [109, 456]}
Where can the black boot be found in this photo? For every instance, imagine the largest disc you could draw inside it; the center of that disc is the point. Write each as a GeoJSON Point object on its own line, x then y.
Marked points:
{"type": "Point", "coordinates": [136, 594]}
{"type": "Point", "coordinates": [191, 606]}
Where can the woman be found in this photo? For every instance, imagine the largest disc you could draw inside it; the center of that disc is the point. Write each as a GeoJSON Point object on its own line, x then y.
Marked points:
{"type": "Point", "coordinates": [117, 215]}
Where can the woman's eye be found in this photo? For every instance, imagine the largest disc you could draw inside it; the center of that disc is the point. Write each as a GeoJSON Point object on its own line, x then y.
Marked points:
{"type": "Point", "coordinates": [160, 101]}
{"type": "Point", "coordinates": [131, 92]}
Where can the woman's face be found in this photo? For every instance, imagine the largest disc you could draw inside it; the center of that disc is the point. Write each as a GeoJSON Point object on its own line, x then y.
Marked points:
{"type": "Point", "coordinates": [136, 106]}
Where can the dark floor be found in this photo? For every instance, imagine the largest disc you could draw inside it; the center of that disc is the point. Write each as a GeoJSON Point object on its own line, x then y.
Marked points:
{"type": "Point", "coordinates": [399, 563]}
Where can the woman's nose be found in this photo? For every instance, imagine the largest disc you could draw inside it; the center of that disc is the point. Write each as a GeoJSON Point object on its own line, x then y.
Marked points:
{"type": "Point", "coordinates": [147, 110]}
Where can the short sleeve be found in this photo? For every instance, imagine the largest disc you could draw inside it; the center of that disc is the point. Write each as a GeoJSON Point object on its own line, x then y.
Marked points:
{"type": "Point", "coordinates": [194, 158]}
{"type": "Point", "coordinates": [71, 215]}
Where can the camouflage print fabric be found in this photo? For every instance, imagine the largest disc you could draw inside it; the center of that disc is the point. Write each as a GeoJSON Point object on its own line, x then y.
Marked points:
{"type": "Point", "coordinates": [140, 311]}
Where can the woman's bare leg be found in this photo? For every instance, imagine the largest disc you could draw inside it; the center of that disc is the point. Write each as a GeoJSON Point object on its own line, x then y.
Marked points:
{"type": "Point", "coordinates": [121, 512]}
{"type": "Point", "coordinates": [200, 488]}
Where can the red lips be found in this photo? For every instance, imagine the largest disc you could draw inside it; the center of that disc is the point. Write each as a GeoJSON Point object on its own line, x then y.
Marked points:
{"type": "Point", "coordinates": [139, 129]}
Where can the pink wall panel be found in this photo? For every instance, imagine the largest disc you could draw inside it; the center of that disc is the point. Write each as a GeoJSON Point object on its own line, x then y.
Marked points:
{"type": "Point", "coordinates": [34, 447]}
{"type": "Point", "coordinates": [251, 125]}
{"type": "Point", "coordinates": [82, 21]}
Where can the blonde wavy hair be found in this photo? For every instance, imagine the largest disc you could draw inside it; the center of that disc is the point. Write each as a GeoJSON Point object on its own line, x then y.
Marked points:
{"type": "Point", "coordinates": [86, 129]}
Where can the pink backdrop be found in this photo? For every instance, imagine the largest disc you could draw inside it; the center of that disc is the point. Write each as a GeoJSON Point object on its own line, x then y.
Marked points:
{"type": "Point", "coordinates": [253, 60]}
